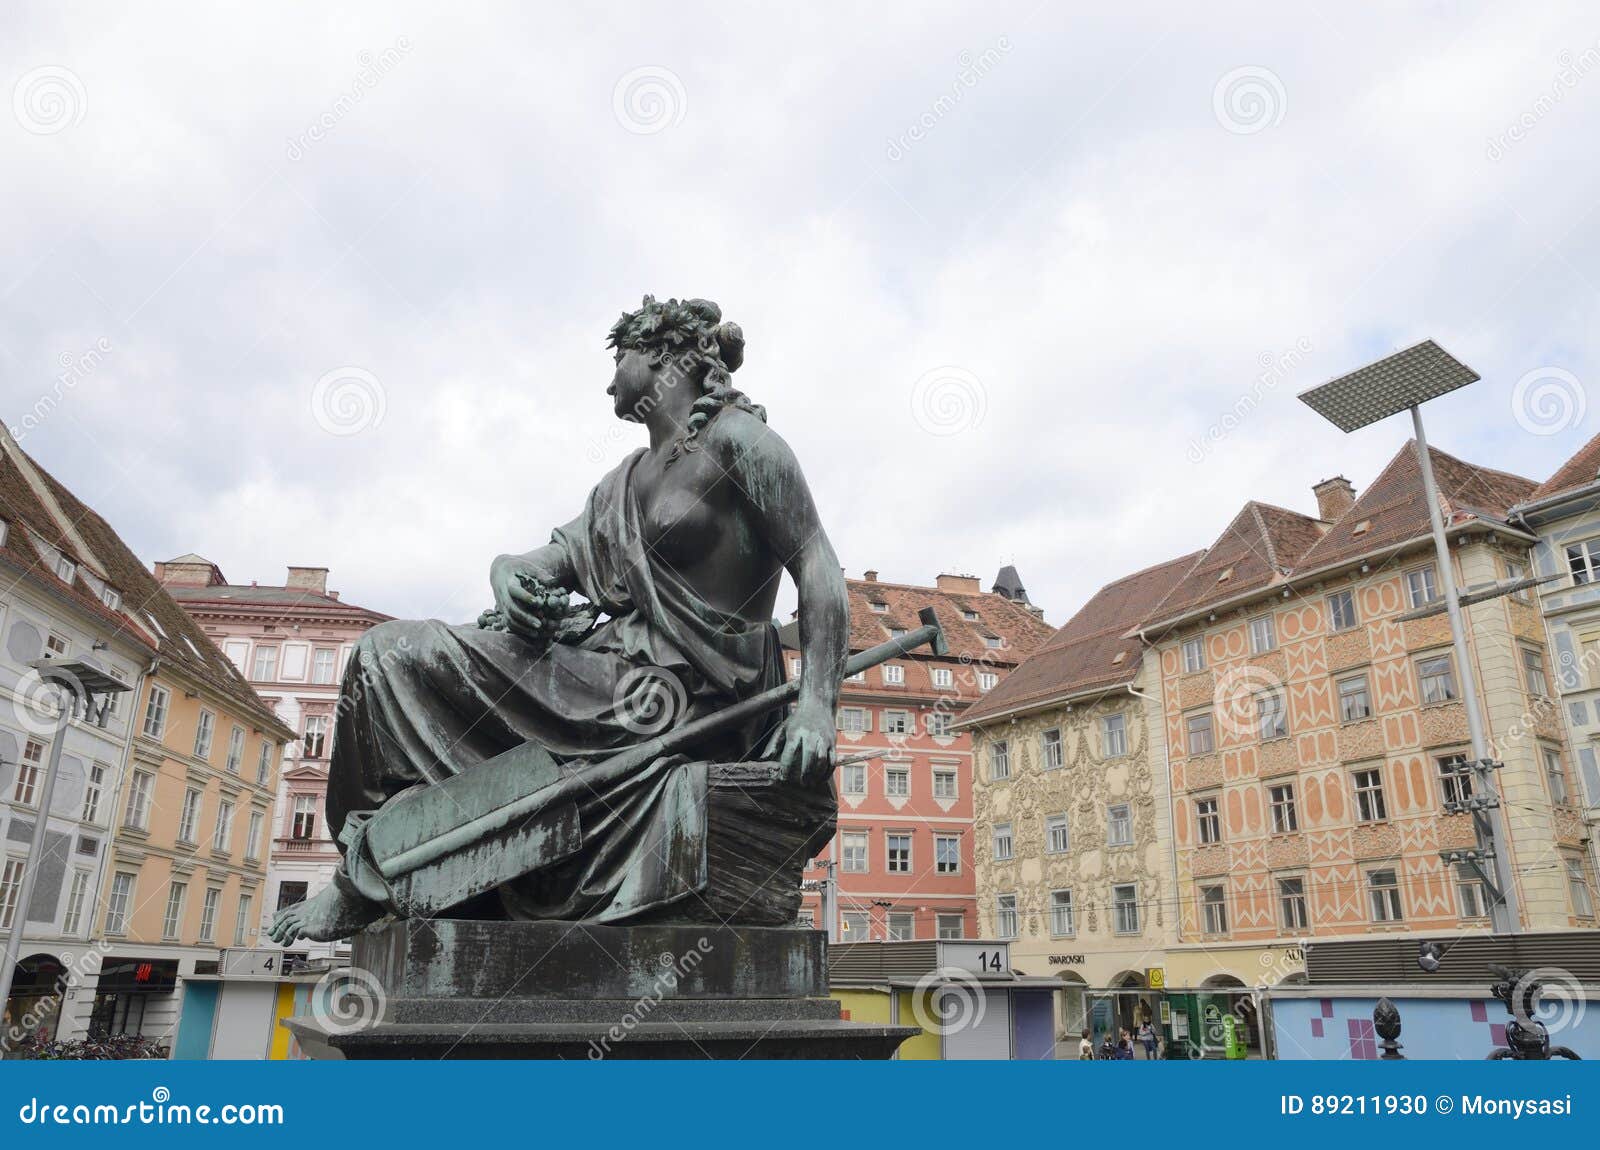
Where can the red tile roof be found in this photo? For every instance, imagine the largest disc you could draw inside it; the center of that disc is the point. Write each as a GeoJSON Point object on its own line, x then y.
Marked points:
{"type": "Point", "coordinates": [1579, 471]}
{"type": "Point", "coordinates": [1257, 550]}
{"type": "Point", "coordinates": [1083, 654]}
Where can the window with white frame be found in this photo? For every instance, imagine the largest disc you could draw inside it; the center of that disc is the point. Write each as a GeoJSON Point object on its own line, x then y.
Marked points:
{"type": "Point", "coordinates": [1533, 676]}
{"type": "Point", "coordinates": [1002, 842]}
{"type": "Point", "coordinates": [77, 896]}
{"type": "Point", "coordinates": [902, 926]}
{"type": "Point", "coordinates": [315, 743]}
{"type": "Point", "coordinates": [264, 764]}
{"type": "Point", "coordinates": [324, 659]}
{"type": "Point", "coordinates": [252, 842]}
{"type": "Point", "coordinates": [1214, 909]}
{"type": "Point", "coordinates": [1515, 572]}
{"type": "Point", "coordinates": [1455, 779]}
{"type": "Point", "coordinates": [303, 825]}
{"type": "Point", "coordinates": [203, 731]}
{"type": "Point", "coordinates": [1555, 775]}
{"type": "Point", "coordinates": [896, 722]}
{"type": "Point", "coordinates": [947, 854]}
{"type": "Point", "coordinates": [1383, 893]}
{"type": "Point", "coordinates": [1114, 735]}
{"type": "Point", "coordinates": [1583, 560]}
{"type": "Point", "coordinates": [136, 815]}
{"type": "Point", "coordinates": [853, 846]}
{"type": "Point", "coordinates": [1420, 588]}
{"type": "Point", "coordinates": [894, 674]}
{"type": "Point", "coordinates": [1057, 837]}
{"type": "Point", "coordinates": [172, 919]}
{"type": "Point", "coordinates": [1578, 887]}
{"type": "Point", "coordinates": [853, 778]}
{"type": "Point", "coordinates": [1272, 716]}
{"type": "Point", "coordinates": [235, 750]}
{"type": "Point", "coordinates": [1263, 635]}
{"type": "Point", "coordinates": [1050, 749]}
{"type": "Point", "coordinates": [878, 606]}
{"type": "Point", "coordinates": [897, 853]}
{"type": "Point", "coordinates": [854, 926]}
{"type": "Point", "coordinates": [1292, 910]}
{"type": "Point", "coordinates": [1342, 610]}
{"type": "Point", "coordinates": [852, 720]}
{"type": "Point", "coordinates": [1201, 740]}
{"type": "Point", "coordinates": [1119, 825]}
{"type": "Point", "coordinates": [944, 783]}
{"type": "Point", "coordinates": [897, 782]}
{"type": "Point", "coordinates": [1436, 678]}
{"type": "Point", "coordinates": [119, 900]}
{"type": "Point", "coordinates": [12, 871]}
{"type": "Point", "coordinates": [1469, 894]}
{"type": "Point", "coordinates": [266, 664]}
{"type": "Point", "coordinates": [1194, 655]}
{"type": "Point", "coordinates": [155, 712]}
{"type": "Point", "coordinates": [1125, 908]}
{"type": "Point", "coordinates": [241, 921]}
{"type": "Point", "coordinates": [943, 677]}
{"type": "Point", "coordinates": [25, 792]}
{"type": "Point", "coordinates": [1280, 800]}
{"type": "Point", "coordinates": [208, 914]}
{"type": "Point", "coordinates": [939, 723]}
{"type": "Point", "coordinates": [189, 816]}
{"type": "Point", "coordinates": [999, 760]}
{"type": "Point", "coordinates": [93, 792]}
{"type": "Point", "coordinates": [1061, 921]}
{"type": "Point", "coordinates": [56, 645]}
{"type": "Point", "coordinates": [65, 568]}
{"type": "Point", "coordinates": [1370, 804]}
{"type": "Point", "coordinates": [1355, 698]}
{"type": "Point", "coordinates": [1208, 819]}
{"type": "Point", "coordinates": [1005, 916]}
{"type": "Point", "coordinates": [987, 680]}
{"type": "Point", "coordinates": [222, 835]}
{"type": "Point", "coordinates": [950, 925]}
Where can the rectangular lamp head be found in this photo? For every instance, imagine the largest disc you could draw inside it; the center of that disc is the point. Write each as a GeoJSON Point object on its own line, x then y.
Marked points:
{"type": "Point", "coordinates": [1419, 373]}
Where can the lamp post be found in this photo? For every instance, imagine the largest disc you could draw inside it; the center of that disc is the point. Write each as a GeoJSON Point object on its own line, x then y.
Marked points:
{"type": "Point", "coordinates": [1403, 382]}
{"type": "Point", "coordinates": [76, 682]}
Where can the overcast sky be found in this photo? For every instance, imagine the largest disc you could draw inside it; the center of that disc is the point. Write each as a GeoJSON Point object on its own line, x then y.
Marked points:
{"type": "Point", "coordinates": [334, 280]}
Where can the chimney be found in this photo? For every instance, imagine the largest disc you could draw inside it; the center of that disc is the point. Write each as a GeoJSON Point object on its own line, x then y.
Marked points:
{"type": "Point", "coordinates": [961, 584]}
{"type": "Point", "coordinates": [308, 579]}
{"type": "Point", "coordinates": [1334, 497]}
{"type": "Point", "coordinates": [870, 576]}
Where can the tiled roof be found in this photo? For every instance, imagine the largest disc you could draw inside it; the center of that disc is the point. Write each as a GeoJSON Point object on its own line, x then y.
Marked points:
{"type": "Point", "coordinates": [1257, 550]}
{"type": "Point", "coordinates": [221, 597]}
{"type": "Point", "coordinates": [143, 599]}
{"type": "Point", "coordinates": [1083, 654]}
{"type": "Point", "coordinates": [1394, 509]}
{"type": "Point", "coordinates": [1579, 471]}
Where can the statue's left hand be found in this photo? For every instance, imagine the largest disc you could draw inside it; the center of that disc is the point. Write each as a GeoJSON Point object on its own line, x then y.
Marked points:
{"type": "Point", "coordinates": [804, 744]}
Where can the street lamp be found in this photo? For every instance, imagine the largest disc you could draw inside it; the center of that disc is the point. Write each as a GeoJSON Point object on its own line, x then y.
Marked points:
{"type": "Point", "coordinates": [1401, 382]}
{"type": "Point", "coordinates": [76, 682]}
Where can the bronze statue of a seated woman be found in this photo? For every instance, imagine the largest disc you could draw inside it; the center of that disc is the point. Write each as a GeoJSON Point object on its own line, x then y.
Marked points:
{"type": "Point", "coordinates": [679, 551]}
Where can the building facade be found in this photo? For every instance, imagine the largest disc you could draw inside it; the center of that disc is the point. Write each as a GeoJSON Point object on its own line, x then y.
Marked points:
{"type": "Point", "coordinates": [903, 855]}
{"type": "Point", "coordinates": [292, 643]}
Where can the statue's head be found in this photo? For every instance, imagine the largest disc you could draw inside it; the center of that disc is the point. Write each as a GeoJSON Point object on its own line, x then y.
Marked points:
{"type": "Point", "coordinates": [677, 343]}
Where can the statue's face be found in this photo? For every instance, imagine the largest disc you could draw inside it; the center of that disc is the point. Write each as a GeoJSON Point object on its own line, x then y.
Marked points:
{"type": "Point", "coordinates": [633, 387]}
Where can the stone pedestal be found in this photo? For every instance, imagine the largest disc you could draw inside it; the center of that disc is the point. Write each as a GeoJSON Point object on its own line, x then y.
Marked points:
{"type": "Point", "coordinates": [463, 989]}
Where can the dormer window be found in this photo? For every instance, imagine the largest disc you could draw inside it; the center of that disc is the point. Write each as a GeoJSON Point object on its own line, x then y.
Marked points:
{"type": "Point", "coordinates": [1363, 527]}
{"type": "Point", "coordinates": [897, 632]}
{"type": "Point", "coordinates": [994, 642]}
{"type": "Point", "coordinates": [880, 608]}
{"type": "Point", "coordinates": [66, 568]}
{"type": "Point", "coordinates": [969, 616]}
{"type": "Point", "coordinates": [1226, 575]}
{"type": "Point", "coordinates": [112, 598]}
{"type": "Point", "coordinates": [1120, 656]}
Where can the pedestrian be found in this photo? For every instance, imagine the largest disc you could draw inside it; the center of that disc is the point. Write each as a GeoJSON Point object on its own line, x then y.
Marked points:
{"type": "Point", "coordinates": [1147, 1038]}
{"type": "Point", "coordinates": [1108, 1048]}
{"type": "Point", "coordinates": [1085, 1047]}
{"type": "Point", "coordinates": [1125, 1046]}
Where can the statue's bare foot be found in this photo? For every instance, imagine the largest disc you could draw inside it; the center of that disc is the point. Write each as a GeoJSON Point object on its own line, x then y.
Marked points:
{"type": "Point", "coordinates": [334, 913]}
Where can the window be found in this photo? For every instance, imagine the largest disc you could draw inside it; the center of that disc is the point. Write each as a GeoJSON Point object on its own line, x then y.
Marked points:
{"type": "Point", "coordinates": [172, 921]}
{"type": "Point", "coordinates": [112, 598]}
{"type": "Point", "coordinates": [1263, 635]}
{"type": "Point", "coordinates": [1194, 655]}
{"type": "Point", "coordinates": [1292, 904]}
{"type": "Point", "coordinates": [208, 914]}
{"type": "Point", "coordinates": [946, 854]}
{"type": "Point", "coordinates": [1125, 908]}
{"type": "Point", "coordinates": [902, 926]}
{"type": "Point", "coordinates": [155, 712]}
{"type": "Point", "coordinates": [1554, 775]}
{"type": "Point", "coordinates": [969, 615]}
{"type": "Point", "coordinates": [1515, 573]}
{"type": "Point", "coordinates": [1583, 560]}
{"type": "Point", "coordinates": [1061, 924]}
{"type": "Point", "coordinates": [304, 824]}
{"type": "Point", "coordinates": [93, 792]}
{"type": "Point", "coordinates": [1002, 842]}
{"type": "Point", "coordinates": [1208, 820]}
{"type": "Point", "coordinates": [1272, 717]}
{"type": "Point", "coordinates": [322, 663]}
{"type": "Point", "coordinates": [1119, 825]}
{"type": "Point", "coordinates": [853, 778]}
{"type": "Point", "coordinates": [1578, 888]}
{"type": "Point", "coordinates": [944, 783]}
{"type": "Point", "coordinates": [10, 890]}
{"type": "Point", "coordinates": [987, 680]}
{"type": "Point", "coordinates": [942, 677]}
{"type": "Point", "coordinates": [1057, 838]}
{"type": "Point", "coordinates": [316, 736]}
{"type": "Point", "coordinates": [1005, 916]}
{"type": "Point", "coordinates": [72, 920]}
{"type": "Point", "coordinates": [1285, 819]}
{"type": "Point", "coordinates": [896, 722]}
{"type": "Point", "coordinates": [1533, 673]}
{"type": "Point", "coordinates": [137, 814]}
{"type": "Point", "coordinates": [894, 674]}
{"type": "Point", "coordinates": [235, 750]}
{"type": "Point", "coordinates": [264, 764]}
{"type": "Point", "coordinates": [1455, 780]}
{"type": "Point", "coordinates": [189, 817]}
{"type": "Point", "coordinates": [854, 846]}
{"type": "Point", "coordinates": [1050, 749]}
{"type": "Point", "coordinates": [994, 642]}
{"type": "Point", "coordinates": [118, 902]}
{"type": "Point", "coordinates": [852, 720]}
{"type": "Point", "coordinates": [266, 668]}
{"type": "Point", "coordinates": [223, 833]}
{"type": "Point", "coordinates": [1000, 761]}
{"type": "Point", "coordinates": [1420, 588]}
{"type": "Point", "coordinates": [1201, 741]}
{"type": "Point", "coordinates": [897, 852]}
{"type": "Point", "coordinates": [65, 568]}
{"type": "Point", "coordinates": [857, 677]}
{"type": "Point", "coordinates": [897, 782]}
{"type": "Point", "coordinates": [202, 734]}
{"type": "Point", "coordinates": [1469, 893]}
{"type": "Point", "coordinates": [951, 925]}
{"type": "Point", "coordinates": [938, 723]}
{"type": "Point", "coordinates": [241, 923]}
{"type": "Point", "coordinates": [1355, 699]}
{"type": "Point", "coordinates": [27, 786]}
{"type": "Point", "coordinates": [1384, 892]}
{"type": "Point", "coordinates": [1114, 736]}
{"type": "Point", "coordinates": [56, 645]}
{"type": "Point", "coordinates": [854, 926]}
{"type": "Point", "coordinates": [252, 842]}
{"type": "Point", "coordinates": [878, 607]}
{"type": "Point", "coordinates": [1213, 910]}
{"type": "Point", "coordinates": [1342, 610]}
{"type": "Point", "coordinates": [1370, 807]}
{"type": "Point", "coordinates": [1436, 676]}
